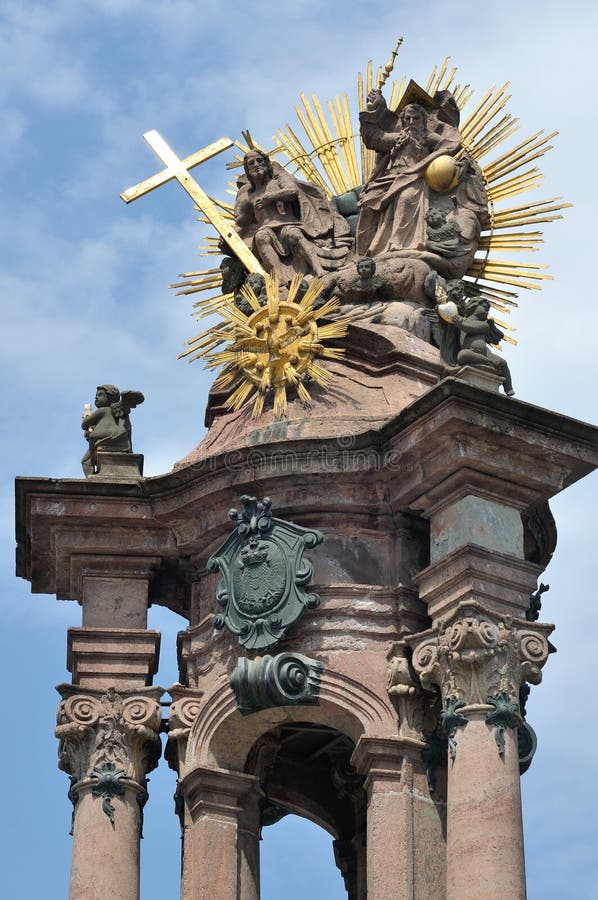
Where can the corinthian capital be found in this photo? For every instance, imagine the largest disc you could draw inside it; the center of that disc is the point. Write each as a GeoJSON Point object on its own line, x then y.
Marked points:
{"type": "Point", "coordinates": [111, 731]}
{"type": "Point", "coordinates": [475, 654]}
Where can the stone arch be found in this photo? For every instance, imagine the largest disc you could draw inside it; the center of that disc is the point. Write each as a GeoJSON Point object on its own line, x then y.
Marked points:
{"type": "Point", "coordinates": [221, 737]}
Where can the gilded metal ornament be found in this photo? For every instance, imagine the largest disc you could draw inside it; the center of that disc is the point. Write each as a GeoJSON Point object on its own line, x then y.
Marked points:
{"type": "Point", "coordinates": [273, 348]}
{"type": "Point", "coordinates": [264, 575]}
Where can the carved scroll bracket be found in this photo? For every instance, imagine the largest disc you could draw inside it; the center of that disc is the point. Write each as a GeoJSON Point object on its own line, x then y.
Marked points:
{"type": "Point", "coordinates": [184, 709]}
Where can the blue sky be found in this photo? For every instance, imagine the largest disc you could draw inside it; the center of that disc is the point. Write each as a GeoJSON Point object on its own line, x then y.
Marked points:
{"type": "Point", "coordinates": [85, 301]}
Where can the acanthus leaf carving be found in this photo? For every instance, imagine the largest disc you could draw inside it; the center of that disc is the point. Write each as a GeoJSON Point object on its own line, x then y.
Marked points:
{"type": "Point", "coordinates": [96, 728]}
{"type": "Point", "coordinates": [505, 714]}
{"type": "Point", "coordinates": [476, 654]}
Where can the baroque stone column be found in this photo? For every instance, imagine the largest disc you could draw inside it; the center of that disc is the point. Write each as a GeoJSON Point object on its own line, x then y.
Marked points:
{"type": "Point", "coordinates": [399, 821]}
{"type": "Point", "coordinates": [109, 741]}
{"type": "Point", "coordinates": [479, 659]}
{"type": "Point", "coordinates": [221, 835]}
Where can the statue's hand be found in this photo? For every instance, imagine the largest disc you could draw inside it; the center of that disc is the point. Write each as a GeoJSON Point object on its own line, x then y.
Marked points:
{"type": "Point", "coordinates": [375, 101]}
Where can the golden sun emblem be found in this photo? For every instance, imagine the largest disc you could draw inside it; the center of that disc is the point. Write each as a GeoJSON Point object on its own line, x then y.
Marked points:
{"type": "Point", "coordinates": [273, 349]}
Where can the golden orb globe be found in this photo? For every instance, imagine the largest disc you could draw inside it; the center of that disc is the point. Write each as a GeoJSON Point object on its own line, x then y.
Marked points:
{"type": "Point", "coordinates": [442, 174]}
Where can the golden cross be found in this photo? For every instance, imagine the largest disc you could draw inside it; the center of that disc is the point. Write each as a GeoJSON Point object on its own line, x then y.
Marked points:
{"type": "Point", "coordinates": [179, 169]}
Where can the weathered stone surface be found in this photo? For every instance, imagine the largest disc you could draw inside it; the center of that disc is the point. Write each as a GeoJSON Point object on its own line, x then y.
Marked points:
{"type": "Point", "coordinates": [429, 507]}
{"type": "Point", "coordinates": [104, 657]}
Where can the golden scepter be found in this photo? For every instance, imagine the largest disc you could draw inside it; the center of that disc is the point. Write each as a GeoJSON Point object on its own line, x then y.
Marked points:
{"type": "Point", "coordinates": [389, 66]}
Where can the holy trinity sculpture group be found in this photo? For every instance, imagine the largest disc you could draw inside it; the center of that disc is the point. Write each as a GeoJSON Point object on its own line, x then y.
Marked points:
{"type": "Point", "coordinates": [406, 239]}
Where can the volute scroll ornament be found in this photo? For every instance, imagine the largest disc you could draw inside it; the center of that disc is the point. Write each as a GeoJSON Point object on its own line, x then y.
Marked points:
{"type": "Point", "coordinates": [475, 654]}
{"type": "Point", "coordinates": [108, 739]}
{"type": "Point", "coordinates": [264, 575]}
{"type": "Point", "coordinates": [479, 659]}
{"type": "Point", "coordinates": [287, 679]}
{"type": "Point", "coordinates": [183, 712]}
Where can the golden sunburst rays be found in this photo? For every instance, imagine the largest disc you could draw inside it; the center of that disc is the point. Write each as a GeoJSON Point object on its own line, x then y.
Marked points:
{"type": "Point", "coordinates": [325, 148]}
{"type": "Point", "coordinates": [276, 347]}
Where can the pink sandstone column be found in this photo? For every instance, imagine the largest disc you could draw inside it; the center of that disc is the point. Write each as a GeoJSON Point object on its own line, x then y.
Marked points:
{"type": "Point", "coordinates": [109, 741]}
{"type": "Point", "coordinates": [485, 832]}
{"type": "Point", "coordinates": [479, 660]}
{"type": "Point", "coordinates": [393, 818]}
{"type": "Point", "coordinates": [221, 844]}
{"type": "Point", "coordinates": [105, 860]}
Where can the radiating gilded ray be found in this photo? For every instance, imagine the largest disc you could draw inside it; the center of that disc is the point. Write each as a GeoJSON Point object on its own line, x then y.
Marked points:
{"type": "Point", "coordinates": [368, 157]}
{"type": "Point", "coordinates": [225, 379]}
{"type": "Point", "coordinates": [320, 136]}
{"type": "Point", "coordinates": [258, 405]}
{"type": "Point", "coordinates": [505, 279]}
{"type": "Point", "coordinates": [349, 132]}
{"type": "Point", "coordinates": [238, 397]}
{"type": "Point", "coordinates": [332, 330]}
{"type": "Point", "coordinates": [294, 286]}
{"type": "Point", "coordinates": [494, 295]}
{"type": "Point", "coordinates": [250, 296]}
{"type": "Point", "coordinates": [511, 187]}
{"type": "Point", "coordinates": [280, 401]}
{"type": "Point", "coordinates": [490, 140]}
{"type": "Point", "coordinates": [332, 157]}
{"type": "Point", "coordinates": [462, 95]}
{"type": "Point", "coordinates": [434, 86]}
{"type": "Point", "coordinates": [327, 308]}
{"type": "Point", "coordinates": [519, 156]}
{"type": "Point", "coordinates": [339, 113]}
{"type": "Point", "coordinates": [297, 154]}
{"type": "Point", "coordinates": [514, 241]}
{"type": "Point", "coordinates": [396, 95]}
{"type": "Point", "coordinates": [484, 120]}
{"type": "Point", "coordinates": [210, 281]}
{"type": "Point", "coordinates": [303, 394]}
{"type": "Point", "coordinates": [430, 80]}
{"type": "Point", "coordinates": [448, 80]}
{"type": "Point", "coordinates": [505, 266]}
{"type": "Point", "coordinates": [320, 375]}
{"type": "Point", "coordinates": [529, 212]}
{"type": "Point", "coordinates": [490, 104]}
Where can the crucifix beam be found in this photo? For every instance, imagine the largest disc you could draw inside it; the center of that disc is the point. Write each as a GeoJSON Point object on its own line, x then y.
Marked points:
{"type": "Point", "coordinates": [179, 169]}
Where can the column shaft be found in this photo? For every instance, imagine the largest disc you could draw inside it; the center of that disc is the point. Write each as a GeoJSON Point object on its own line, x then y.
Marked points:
{"type": "Point", "coordinates": [221, 857]}
{"type": "Point", "coordinates": [105, 857]}
{"type": "Point", "coordinates": [484, 832]}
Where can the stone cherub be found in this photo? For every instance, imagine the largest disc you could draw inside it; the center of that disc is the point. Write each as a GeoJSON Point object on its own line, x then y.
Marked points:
{"type": "Point", "coordinates": [442, 233]}
{"type": "Point", "coordinates": [109, 427]}
{"type": "Point", "coordinates": [467, 329]}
